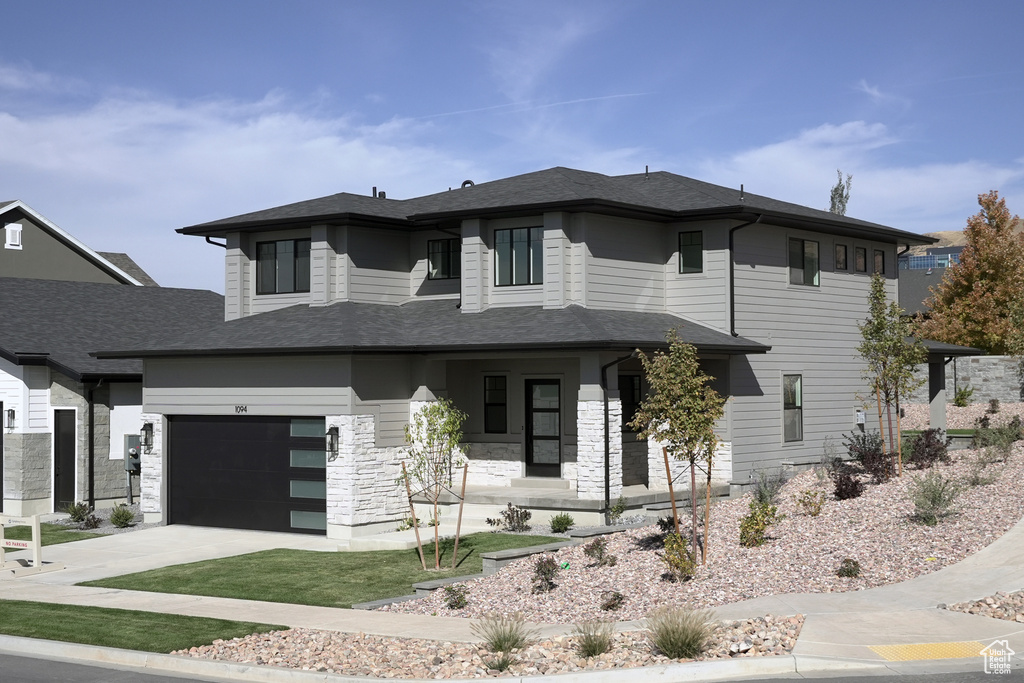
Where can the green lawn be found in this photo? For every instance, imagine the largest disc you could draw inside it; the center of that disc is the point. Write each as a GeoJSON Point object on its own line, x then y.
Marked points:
{"type": "Point", "coordinates": [122, 628]}
{"type": "Point", "coordinates": [51, 533]}
{"type": "Point", "coordinates": [317, 578]}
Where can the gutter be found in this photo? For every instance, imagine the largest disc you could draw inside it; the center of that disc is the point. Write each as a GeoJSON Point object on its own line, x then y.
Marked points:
{"type": "Point", "coordinates": [732, 272]}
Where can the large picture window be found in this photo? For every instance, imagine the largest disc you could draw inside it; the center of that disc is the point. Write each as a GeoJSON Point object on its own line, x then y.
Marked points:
{"type": "Point", "coordinates": [803, 262]}
{"type": "Point", "coordinates": [282, 267]}
{"type": "Point", "coordinates": [793, 407]}
{"type": "Point", "coordinates": [519, 256]}
{"type": "Point", "coordinates": [495, 404]}
{"type": "Point", "coordinates": [444, 259]}
{"type": "Point", "coordinates": [691, 252]}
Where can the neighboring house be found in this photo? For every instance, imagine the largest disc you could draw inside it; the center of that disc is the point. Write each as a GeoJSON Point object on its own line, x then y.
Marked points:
{"type": "Point", "coordinates": [63, 413]}
{"type": "Point", "coordinates": [521, 300]}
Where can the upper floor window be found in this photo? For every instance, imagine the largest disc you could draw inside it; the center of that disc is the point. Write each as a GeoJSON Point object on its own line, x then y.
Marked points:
{"type": "Point", "coordinates": [444, 259]}
{"type": "Point", "coordinates": [12, 236]}
{"type": "Point", "coordinates": [691, 252]}
{"type": "Point", "coordinates": [519, 256]}
{"type": "Point", "coordinates": [841, 257]}
{"type": "Point", "coordinates": [803, 262]}
{"type": "Point", "coordinates": [282, 267]}
{"type": "Point", "coordinates": [879, 261]}
{"type": "Point", "coordinates": [860, 259]}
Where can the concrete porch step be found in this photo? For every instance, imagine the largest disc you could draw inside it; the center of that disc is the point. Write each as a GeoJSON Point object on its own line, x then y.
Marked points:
{"type": "Point", "coordinates": [540, 483]}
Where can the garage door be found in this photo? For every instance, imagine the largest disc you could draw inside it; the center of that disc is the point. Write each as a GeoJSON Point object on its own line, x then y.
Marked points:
{"type": "Point", "coordinates": [265, 473]}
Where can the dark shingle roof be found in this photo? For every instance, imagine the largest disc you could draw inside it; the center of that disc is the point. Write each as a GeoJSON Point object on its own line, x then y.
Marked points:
{"type": "Point", "coordinates": [659, 195]}
{"type": "Point", "coordinates": [437, 325]}
{"type": "Point", "coordinates": [59, 323]}
{"type": "Point", "coordinates": [128, 265]}
{"type": "Point", "coordinates": [937, 349]}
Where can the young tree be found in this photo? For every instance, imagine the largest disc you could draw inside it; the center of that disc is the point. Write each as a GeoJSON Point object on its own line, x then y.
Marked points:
{"type": "Point", "coordinates": [840, 194]}
{"type": "Point", "coordinates": [681, 412]}
{"type": "Point", "coordinates": [972, 305]}
{"type": "Point", "coordinates": [432, 438]}
{"type": "Point", "coordinates": [890, 352]}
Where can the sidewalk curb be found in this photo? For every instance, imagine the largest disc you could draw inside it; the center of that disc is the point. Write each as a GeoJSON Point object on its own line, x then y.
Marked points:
{"type": "Point", "coordinates": [156, 663]}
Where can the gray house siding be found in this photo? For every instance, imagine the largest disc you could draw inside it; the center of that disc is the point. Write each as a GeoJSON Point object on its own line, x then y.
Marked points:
{"type": "Point", "coordinates": [45, 257]}
{"type": "Point", "coordinates": [421, 285]}
{"type": "Point", "coordinates": [703, 296]}
{"type": "Point", "coordinates": [380, 264]}
{"type": "Point", "coordinates": [625, 264]}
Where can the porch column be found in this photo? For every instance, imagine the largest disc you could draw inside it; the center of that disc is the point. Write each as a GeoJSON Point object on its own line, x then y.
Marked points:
{"type": "Point", "coordinates": [152, 471]}
{"type": "Point", "coordinates": [590, 432]}
{"type": "Point", "coordinates": [937, 393]}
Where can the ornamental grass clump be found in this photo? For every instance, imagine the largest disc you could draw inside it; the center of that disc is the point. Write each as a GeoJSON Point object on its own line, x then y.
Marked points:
{"type": "Point", "coordinates": [593, 638]}
{"type": "Point", "coordinates": [680, 633]}
{"type": "Point", "coordinates": [934, 497]}
{"type": "Point", "coordinates": [503, 633]}
{"type": "Point", "coordinates": [849, 568]}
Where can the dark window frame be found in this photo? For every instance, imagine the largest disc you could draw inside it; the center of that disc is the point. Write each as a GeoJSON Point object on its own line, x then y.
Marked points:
{"type": "Point", "coordinates": [694, 264]}
{"type": "Point", "coordinates": [450, 252]}
{"type": "Point", "coordinates": [534, 240]}
{"type": "Point", "coordinates": [489, 427]}
{"type": "Point", "coordinates": [860, 259]}
{"type": "Point", "coordinates": [799, 273]}
{"type": "Point", "coordinates": [793, 403]}
{"type": "Point", "coordinates": [878, 261]}
{"type": "Point", "coordinates": [299, 285]}
{"type": "Point", "coordinates": [842, 264]}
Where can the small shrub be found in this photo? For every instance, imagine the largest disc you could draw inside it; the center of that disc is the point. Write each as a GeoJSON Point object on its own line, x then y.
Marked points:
{"type": "Point", "coordinates": [680, 633]}
{"type": "Point", "coordinates": [597, 551]}
{"type": "Point", "coordinates": [122, 516]}
{"type": "Point", "coordinates": [1016, 427]}
{"type": "Point", "coordinates": [405, 523]}
{"type": "Point", "coordinates": [999, 439]}
{"type": "Point", "coordinates": [666, 524]}
{"type": "Point", "coordinates": [503, 633]}
{"type": "Point", "coordinates": [934, 497]}
{"type": "Point", "coordinates": [78, 511]}
{"type": "Point", "coordinates": [754, 527]}
{"type": "Point", "coordinates": [455, 596]}
{"type": "Point", "coordinates": [612, 600]}
{"type": "Point", "coordinates": [930, 448]}
{"type": "Point", "coordinates": [513, 518]}
{"type": "Point", "coordinates": [847, 486]}
{"type": "Point", "coordinates": [678, 558]}
{"type": "Point", "coordinates": [881, 466]}
{"type": "Point", "coordinates": [810, 502]}
{"type": "Point", "coordinates": [849, 568]}
{"type": "Point", "coordinates": [545, 569]}
{"type": "Point", "coordinates": [962, 398]}
{"type": "Point", "coordinates": [616, 511]}
{"type": "Point", "coordinates": [767, 486]}
{"type": "Point", "coordinates": [983, 422]}
{"type": "Point", "coordinates": [993, 406]}
{"type": "Point", "coordinates": [562, 522]}
{"type": "Point", "coordinates": [500, 663]}
{"type": "Point", "coordinates": [593, 637]}
{"type": "Point", "coordinates": [869, 444]}
{"type": "Point", "coordinates": [90, 522]}
{"type": "Point", "coordinates": [829, 462]}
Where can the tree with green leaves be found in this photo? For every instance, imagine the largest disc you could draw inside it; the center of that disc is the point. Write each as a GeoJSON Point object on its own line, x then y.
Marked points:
{"type": "Point", "coordinates": [433, 437]}
{"type": "Point", "coordinates": [840, 194]}
{"type": "Point", "coordinates": [891, 354]}
{"type": "Point", "coordinates": [681, 412]}
{"type": "Point", "coordinates": [974, 303]}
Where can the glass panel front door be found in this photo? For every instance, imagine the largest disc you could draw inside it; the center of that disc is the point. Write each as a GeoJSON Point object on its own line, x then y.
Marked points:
{"type": "Point", "coordinates": [543, 428]}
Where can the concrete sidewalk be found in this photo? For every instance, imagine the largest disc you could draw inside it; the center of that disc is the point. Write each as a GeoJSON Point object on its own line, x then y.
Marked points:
{"type": "Point", "coordinates": [892, 628]}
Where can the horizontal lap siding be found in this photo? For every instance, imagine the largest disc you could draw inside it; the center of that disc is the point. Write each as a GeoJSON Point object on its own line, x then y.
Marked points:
{"type": "Point", "coordinates": [813, 332]}
{"type": "Point", "coordinates": [625, 264]}
{"type": "Point", "coordinates": [379, 266]}
{"type": "Point", "coordinates": [700, 296]}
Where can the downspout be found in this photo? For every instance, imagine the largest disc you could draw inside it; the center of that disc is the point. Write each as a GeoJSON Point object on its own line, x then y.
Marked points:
{"type": "Point", "coordinates": [216, 244]}
{"type": "Point", "coordinates": [732, 272]}
{"type": "Point", "coordinates": [607, 436]}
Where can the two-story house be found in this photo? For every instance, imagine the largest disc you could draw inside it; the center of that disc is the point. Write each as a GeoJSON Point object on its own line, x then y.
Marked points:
{"type": "Point", "coordinates": [65, 415]}
{"type": "Point", "coordinates": [521, 300]}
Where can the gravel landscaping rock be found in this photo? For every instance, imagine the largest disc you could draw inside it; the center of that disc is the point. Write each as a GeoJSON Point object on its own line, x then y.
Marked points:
{"type": "Point", "coordinates": [917, 416]}
{"type": "Point", "coordinates": [1008, 606]}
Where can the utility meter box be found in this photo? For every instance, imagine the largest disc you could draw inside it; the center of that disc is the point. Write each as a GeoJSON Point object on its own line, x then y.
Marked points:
{"type": "Point", "coordinates": [132, 463]}
{"type": "Point", "coordinates": [860, 417]}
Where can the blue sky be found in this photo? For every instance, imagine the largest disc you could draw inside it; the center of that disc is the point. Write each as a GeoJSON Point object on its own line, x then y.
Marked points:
{"type": "Point", "coordinates": [123, 120]}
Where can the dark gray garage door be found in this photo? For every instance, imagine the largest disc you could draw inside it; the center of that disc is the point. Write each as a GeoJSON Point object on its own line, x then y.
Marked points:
{"type": "Point", "coordinates": [264, 473]}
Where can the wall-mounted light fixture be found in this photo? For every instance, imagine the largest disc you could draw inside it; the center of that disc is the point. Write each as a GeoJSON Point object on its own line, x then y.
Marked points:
{"type": "Point", "coordinates": [9, 418]}
{"type": "Point", "coordinates": [146, 436]}
{"type": "Point", "coordinates": [332, 441]}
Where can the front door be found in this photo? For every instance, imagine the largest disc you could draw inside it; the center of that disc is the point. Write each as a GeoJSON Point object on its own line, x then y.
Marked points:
{"type": "Point", "coordinates": [543, 428]}
{"type": "Point", "coordinates": [63, 458]}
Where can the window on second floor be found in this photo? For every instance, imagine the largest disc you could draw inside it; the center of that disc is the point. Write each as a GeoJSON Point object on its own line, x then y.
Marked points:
{"type": "Point", "coordinates": [282, 267]}
{"type": "Point", "coordinates": [519, 256]}
{"type": "Point", "coordinates": [803, 262]}
{"type": "Point", "coordinates": [841, 257]}
{"type": "Point", "coordinates": [879, 261]}
{"type": "Point", "coordinates": [691, 252]}
{"type": "Point", "coordinates": [860, 259]}
{"type": "Point", "coordinates": [444, 259]}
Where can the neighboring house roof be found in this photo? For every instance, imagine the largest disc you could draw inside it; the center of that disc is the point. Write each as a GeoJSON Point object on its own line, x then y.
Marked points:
{"type": "Point", "coordinates": [914, 288]}
{"type": "Point", "coordinates": [658, 196]}
{"type": "Point", "coordinates": [437, 325]}
{"type": "Point", "coordinates": [128, 265]}
{"type": "Point", "coordinates": [937, 349]}
{"type": "Point", "coordinates": [58, 323]}
{"type": "Point", "coordinates": [66, 238]}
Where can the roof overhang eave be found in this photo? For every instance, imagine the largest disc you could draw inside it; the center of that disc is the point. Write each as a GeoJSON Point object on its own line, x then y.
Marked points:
{"type": "Point", "coordinates": [574, 205]}
{"type": "Point", "coordinates": [339, 219]}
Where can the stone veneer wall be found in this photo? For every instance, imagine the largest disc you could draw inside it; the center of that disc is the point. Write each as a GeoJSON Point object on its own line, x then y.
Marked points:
{"type": "Point", "coordinates": [152, 471]}
{"type": "Point", "coordinates": [721, 470]}
{"type": "Point", "coordinates": [990, 377]}
{"type": "Point", "coordinates": [493, 464]}
{"type": "Point", "coordinates": [362, 481]}
{"type": "Point", "coordinates": [634, 460]}
{"type": "Point", "coordinates": [590, 449]}
{"type": "Point", "coordinates": [28, 466]}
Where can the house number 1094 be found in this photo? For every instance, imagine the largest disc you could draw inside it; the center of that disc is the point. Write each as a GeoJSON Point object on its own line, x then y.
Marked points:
{"type": "Point", "coordinates": [241, 409]}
